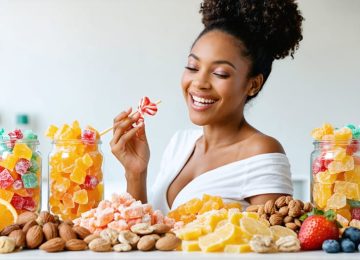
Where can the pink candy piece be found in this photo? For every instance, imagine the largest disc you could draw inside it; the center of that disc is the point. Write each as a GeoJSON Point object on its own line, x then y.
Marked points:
{"type": "Point", "coordinates": [169, 221]}
{"type": "Point", "coordinates": [16, 134]}
{"type": "Point", "coordinates": [146, 219]}
{"type": "Point", "coordinates": [146, 107]}
{"type": "Point", "coordinates": [90, 182]}
{"type": "Point", "coordinates": [18, 184]}
{"type": "Point", "coordinates": [17, 201]}
{"type": "Point", "coordinates": [29, 204]}
{"type": "Point", "coordinates": [104, 217]}
{"type": "Point", "coordinates": [132, 212]}
{"type": "Point", "coordinates": [157, 217]}
{"type": "Point", "coordinates": [22, 166]}
{"type": "Point", "coordinates": [6, 180]}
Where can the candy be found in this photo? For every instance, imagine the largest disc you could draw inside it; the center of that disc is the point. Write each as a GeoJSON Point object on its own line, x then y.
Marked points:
{"type": "Point", "coordinates": [21, 150]}
{"type": "Point", "coordinates": [30, 135]}
{"type": "Point", "coordinates": [9, 162]}
{"type": "Point", "coordinates": [17, 185]}
{"type": "Point", "coordinates": [75, 175]}
{"type": "Point", "coordinates": [146, 107]}
{"type": "Point", "coordinates": [18, 202]}
{"type": "Point", "coordinates": [22, 166]}
{"type": "Point", "coordinates": [30, 180]}
{"type": "Point", "coordinates": [51, 131]}
{"type": "Point", "coordinates": [6, 195]}
{"type": "Point", "coordinates": [6, 179]}
{"type": "Point", "coordinates": [29, 204]}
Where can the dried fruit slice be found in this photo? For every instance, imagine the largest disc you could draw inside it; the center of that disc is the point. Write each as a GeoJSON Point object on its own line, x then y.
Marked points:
{"type": "Point", "coordinates": [8, 214]}
{"type": "Point", "coordinates": [280, 231]}
{"type": "Point", "coordinates": [251, 227]}
{"type": "Point", "coordinates": [336, 201]}
{"type": "Point", "coordinates": [190, 246]}
{"type": "Point", "coordinates": [349, 189]}
{"type": "Point", "coordinates": [236, 249]}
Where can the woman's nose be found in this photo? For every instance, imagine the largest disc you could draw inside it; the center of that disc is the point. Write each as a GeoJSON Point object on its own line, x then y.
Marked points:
{"type": "Point", "coordinates": [201, 83]}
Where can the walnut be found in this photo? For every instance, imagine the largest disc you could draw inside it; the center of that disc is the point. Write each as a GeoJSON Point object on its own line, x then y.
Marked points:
{"type": "Point", "coordinates": [288, 244]}
{"type": "Point", "coordinates": [262, 244]}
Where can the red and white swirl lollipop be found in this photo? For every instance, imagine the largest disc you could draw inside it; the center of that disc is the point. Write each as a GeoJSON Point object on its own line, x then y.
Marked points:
{"type": "Point", "coordinates": [145, 107]}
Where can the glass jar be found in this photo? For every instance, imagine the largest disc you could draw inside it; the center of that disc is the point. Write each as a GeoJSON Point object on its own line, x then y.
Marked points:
{"type": "Point", "coordinates": [335, 177]}
{"type": "Point", "coordinates": [20, 174]}
{"type": "Point", "coordinates": [75, 177]}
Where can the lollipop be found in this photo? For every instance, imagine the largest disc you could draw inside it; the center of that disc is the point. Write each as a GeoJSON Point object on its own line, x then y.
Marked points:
{"type": "Point", "coordinates": [145, 107]}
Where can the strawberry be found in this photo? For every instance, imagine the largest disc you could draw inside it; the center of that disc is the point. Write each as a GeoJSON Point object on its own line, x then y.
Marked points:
{"type": "Point", "coordinates": [316, 229]}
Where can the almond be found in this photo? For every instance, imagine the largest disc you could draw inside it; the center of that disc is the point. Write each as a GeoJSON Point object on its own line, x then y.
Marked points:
{"type": "Point", "coordinates": [297, 222]}
{"type": "Point", "coordinates": [167, 243]}
{"type": "Point", "coordinates": [269, 207]}
{"type": "Point", "coordinates": [161, 228]}
{"type": "Point", "coordinates": [50, 230]}
{"type": "Point", "coordinates": [146, 243]}
{"type": "Point", "coordinates": [28, 225]}
{"type": "Point", "coordinates": [76, 245]}
{"type": "Point", "coordinates": [34, 237]}
{"type": "Point", "coordinates": [261, 210]}
{"type": "Point", "coordinates": [26, 217]}
{"type": "Point", "coordinates": [142, 229]}
{"type": "Point", "coordinates": [288, 199]}
{"type": "Point", "coordinates": [295, 211]}
{"type": "Point", "coordinates": [90, 238]}
{"type": "Point", "coordinates": [276, 219]}
{"type": "Point", "coordinates": [53, 245]}
{"type": "Point", "coordinates": [280, 202]}
{"type": "Point", "coordinates": [291, 226]}
{"type": "Point", "coordinates": [7, 230]}
{"type": "Point", "coordinates": [288, 219]}
{"type": "Point", "coordinates": [252, 208]}
{"type": "Point", "coordinates": [81, 232]}
{"type": "Point", "coordinates": [66, 232]}
{"type": "Point", "coordinates": [45, 217]}
{"type": "Point", "coordinates": [100, 245]}
{"type": "Point", "coordinates": [20, 238]}
{"type": "Point", "coordinates": [284, 211]}
{"type": "Point", "coordinates": [308, 207]}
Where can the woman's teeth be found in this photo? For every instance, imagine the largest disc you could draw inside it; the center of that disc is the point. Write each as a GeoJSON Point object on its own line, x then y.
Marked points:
{"type": "Point", "coordinates": [199, 101]}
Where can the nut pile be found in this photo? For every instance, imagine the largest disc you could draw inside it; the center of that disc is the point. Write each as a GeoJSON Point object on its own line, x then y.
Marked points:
{"type": "Point", "coordinates": [266, 244]}
{"type": "Point", "coordinates": [142, 236]}
{"type": "Point", "coordinates": [43, 231]}
{"type": "Point", "coordinates": [284, 211]}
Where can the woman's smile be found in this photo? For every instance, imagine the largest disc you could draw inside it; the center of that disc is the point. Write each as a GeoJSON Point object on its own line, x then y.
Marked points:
{"type": "Point", "coordinates": [201, 102]}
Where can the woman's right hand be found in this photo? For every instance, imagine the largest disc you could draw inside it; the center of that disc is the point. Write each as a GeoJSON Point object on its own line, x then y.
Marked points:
{"type": "Point", "coordinates": [130, 146]}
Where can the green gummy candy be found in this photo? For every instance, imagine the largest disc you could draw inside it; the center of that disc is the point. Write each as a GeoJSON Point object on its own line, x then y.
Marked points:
{"type": "Point", "coordinates": [29, 134]}
{"type": "Point", "coordinates": [30, 180]}
{"type": "Point", "coordinates": [354, 203]}
{"type": "Point", "coordinates": [34, 166]}
{"type": "Point", "coordinates": [351, 126]}
{"type": "Point", "coordinates": [2, 131]}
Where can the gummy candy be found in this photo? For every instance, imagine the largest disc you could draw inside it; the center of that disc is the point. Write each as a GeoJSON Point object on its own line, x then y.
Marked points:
{"type": "Point", "coordinates": [6, 195]}
{"type": "Point", "coordinates": [17, 185]}
{"type": "Point", "coordinates": [21, 150]}
{"type": "Point", "coordinates": [29, 204]}
{"type": "Point", "coordinates": [17, 201]}
{"type": "Point", "coordinates": [90, 182]}
{"type": "Point", "coordinates": [22, 166]}
{"type": "Point", "coordinates": [30, 180]}
{"type": "Point", "coordinates": [81, 197]}
{"type": "Point", "coordinates": [51, 131]}
{"type": "Point", "coordinates": [6, 180]}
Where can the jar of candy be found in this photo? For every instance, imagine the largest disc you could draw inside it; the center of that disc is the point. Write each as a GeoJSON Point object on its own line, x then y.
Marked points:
{"type": "Point", "coordinates": [75, 177]}
{"type": "Point", "coordinates": [20, 170]}
{"type": "Point", "coordinates": [335, 175]}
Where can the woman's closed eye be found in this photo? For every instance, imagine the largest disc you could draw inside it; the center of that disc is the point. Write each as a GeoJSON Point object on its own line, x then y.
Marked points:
{"type": "Point", "coordinates": [191, 68]}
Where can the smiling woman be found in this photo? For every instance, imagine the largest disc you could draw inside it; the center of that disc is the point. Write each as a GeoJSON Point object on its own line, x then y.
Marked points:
{"type": "Point", "coordinates": [228, 65]}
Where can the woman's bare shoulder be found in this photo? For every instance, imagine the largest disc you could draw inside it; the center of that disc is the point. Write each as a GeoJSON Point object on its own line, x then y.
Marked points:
{"type": "Point", "coordinates": [260, 143]}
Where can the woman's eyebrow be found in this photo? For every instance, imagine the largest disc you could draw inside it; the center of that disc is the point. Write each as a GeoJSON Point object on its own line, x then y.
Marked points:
{"type": "Point", "coordinates": [215, 62]}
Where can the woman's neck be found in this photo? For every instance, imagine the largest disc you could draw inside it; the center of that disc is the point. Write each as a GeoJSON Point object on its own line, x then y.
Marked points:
{"type": "Point", "coordinates": [224, 135]}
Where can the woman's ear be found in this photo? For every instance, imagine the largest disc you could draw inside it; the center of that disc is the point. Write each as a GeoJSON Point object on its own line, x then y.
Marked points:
{"type": "Point", "coordinates": [256, 84]}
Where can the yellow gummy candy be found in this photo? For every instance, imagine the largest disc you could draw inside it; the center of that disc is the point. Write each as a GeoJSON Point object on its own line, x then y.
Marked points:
{"type": "Point", "coordinates": [349, 189]}
{"type": "Point", "coordinates": [51, 131]}
{"type": "Point", "coordinates": [87, 160]}
{"type": "Point", "coordinates": [22, 151]}
{"type": "Point", "coordinates": [9, 162]}
{"type": "Point", "coordinates": [78, 175]}
{"type": "Point", "coordinates": [6, 195]}
{"type": "Point", "coordinates": [81, 197]}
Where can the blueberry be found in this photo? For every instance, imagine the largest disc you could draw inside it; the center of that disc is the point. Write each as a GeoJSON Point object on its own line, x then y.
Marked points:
{"type": "Point", "coordinates": [331, 246]}
{"type": "Point", "coordinates": [347, 245]}
{"type": "Point", "coordinates": [353, 234]}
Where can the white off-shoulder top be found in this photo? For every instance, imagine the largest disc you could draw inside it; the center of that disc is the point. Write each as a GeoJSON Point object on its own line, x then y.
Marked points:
{"type": "Point", "coordinates": [236, 181]}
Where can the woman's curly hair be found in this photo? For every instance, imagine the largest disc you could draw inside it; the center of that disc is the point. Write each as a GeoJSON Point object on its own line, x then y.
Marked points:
{"type": "Point", "coordinates": [269, 29]}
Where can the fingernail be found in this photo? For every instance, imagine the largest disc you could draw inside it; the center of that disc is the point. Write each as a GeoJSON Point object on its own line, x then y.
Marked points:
{"type": "Point", "coordinates": [128, 110]}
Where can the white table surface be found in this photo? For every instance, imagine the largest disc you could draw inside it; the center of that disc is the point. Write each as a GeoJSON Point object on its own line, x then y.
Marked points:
{"type": "Point", "coordinates": [137, 255]}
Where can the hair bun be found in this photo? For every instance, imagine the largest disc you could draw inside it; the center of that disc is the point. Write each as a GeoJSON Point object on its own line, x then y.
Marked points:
{"type": "Point", "coordinates": [275, 24]}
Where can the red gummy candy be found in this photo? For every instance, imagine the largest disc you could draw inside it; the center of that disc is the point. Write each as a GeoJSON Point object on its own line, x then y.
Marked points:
{"type": "Point", "coordinates": [90, 182]}
{"type": "Point", "coordinates": [29, 204]}
{"type": "Point", "coordinates": [353, 147]}
{"type": "Point", "coordinates": [6, 180]}
{"type": "Point", "coordinates": [88, 135]}
{"type": "Point", "coordinates": [18, 184]}
{"type": "Point", "coordinates": [355, 213]}
{"type": "Point", "coordinates": [16, 134]}
{"type": "Point", "coordinates": [17, 201]}
{"type": "Point", "coordinates": [22, 166]}
{"type": "Point", "coordinates": [320, 164]}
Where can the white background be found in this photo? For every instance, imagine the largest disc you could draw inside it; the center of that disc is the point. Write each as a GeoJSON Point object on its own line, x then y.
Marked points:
{"type": "Point", "coordinates": [91, 59]}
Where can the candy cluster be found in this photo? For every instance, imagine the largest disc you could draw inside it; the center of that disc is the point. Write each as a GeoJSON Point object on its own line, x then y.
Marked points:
{"type": "Point", "coordinates": [75, 174]}
{"type": "Point", "coordinates": [20, 170]}
{"type": "Point", "coordinates": [121, 213]}
{"type": "Point", "coordinates": [336, 170]}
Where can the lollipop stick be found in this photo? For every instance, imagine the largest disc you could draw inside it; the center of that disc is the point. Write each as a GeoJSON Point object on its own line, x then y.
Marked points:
{"type": "Point", "coordinates": [131, 115]}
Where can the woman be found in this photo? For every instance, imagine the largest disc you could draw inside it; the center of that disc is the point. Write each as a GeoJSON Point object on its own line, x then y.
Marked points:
{"type": "Point", "coordinates": [228, 66]}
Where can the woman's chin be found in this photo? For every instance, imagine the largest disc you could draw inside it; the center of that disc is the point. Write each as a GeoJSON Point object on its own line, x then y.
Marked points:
{"type": "Point", "coordinates": [198, 120]}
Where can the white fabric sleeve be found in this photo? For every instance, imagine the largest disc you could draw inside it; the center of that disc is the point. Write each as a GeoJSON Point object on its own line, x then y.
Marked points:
{"type": "Point", "coordinates": [269, 175]}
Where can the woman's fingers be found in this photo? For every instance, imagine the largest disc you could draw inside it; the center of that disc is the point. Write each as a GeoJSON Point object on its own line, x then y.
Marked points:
{"type": "Point", "coordinates": [121, 127]}
{"type": "Point", "coordinates": [128, 136]}
{"type": "Point", "coordinates": [122, 116]}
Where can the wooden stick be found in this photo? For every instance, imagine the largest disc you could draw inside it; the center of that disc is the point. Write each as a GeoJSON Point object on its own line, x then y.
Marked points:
{"type": "Point", "coordinates": [131, 115]}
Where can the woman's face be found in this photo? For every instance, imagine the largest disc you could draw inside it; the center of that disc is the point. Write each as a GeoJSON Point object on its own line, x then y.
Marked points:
{"type": "Point", "coordinates": [215, 82]}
